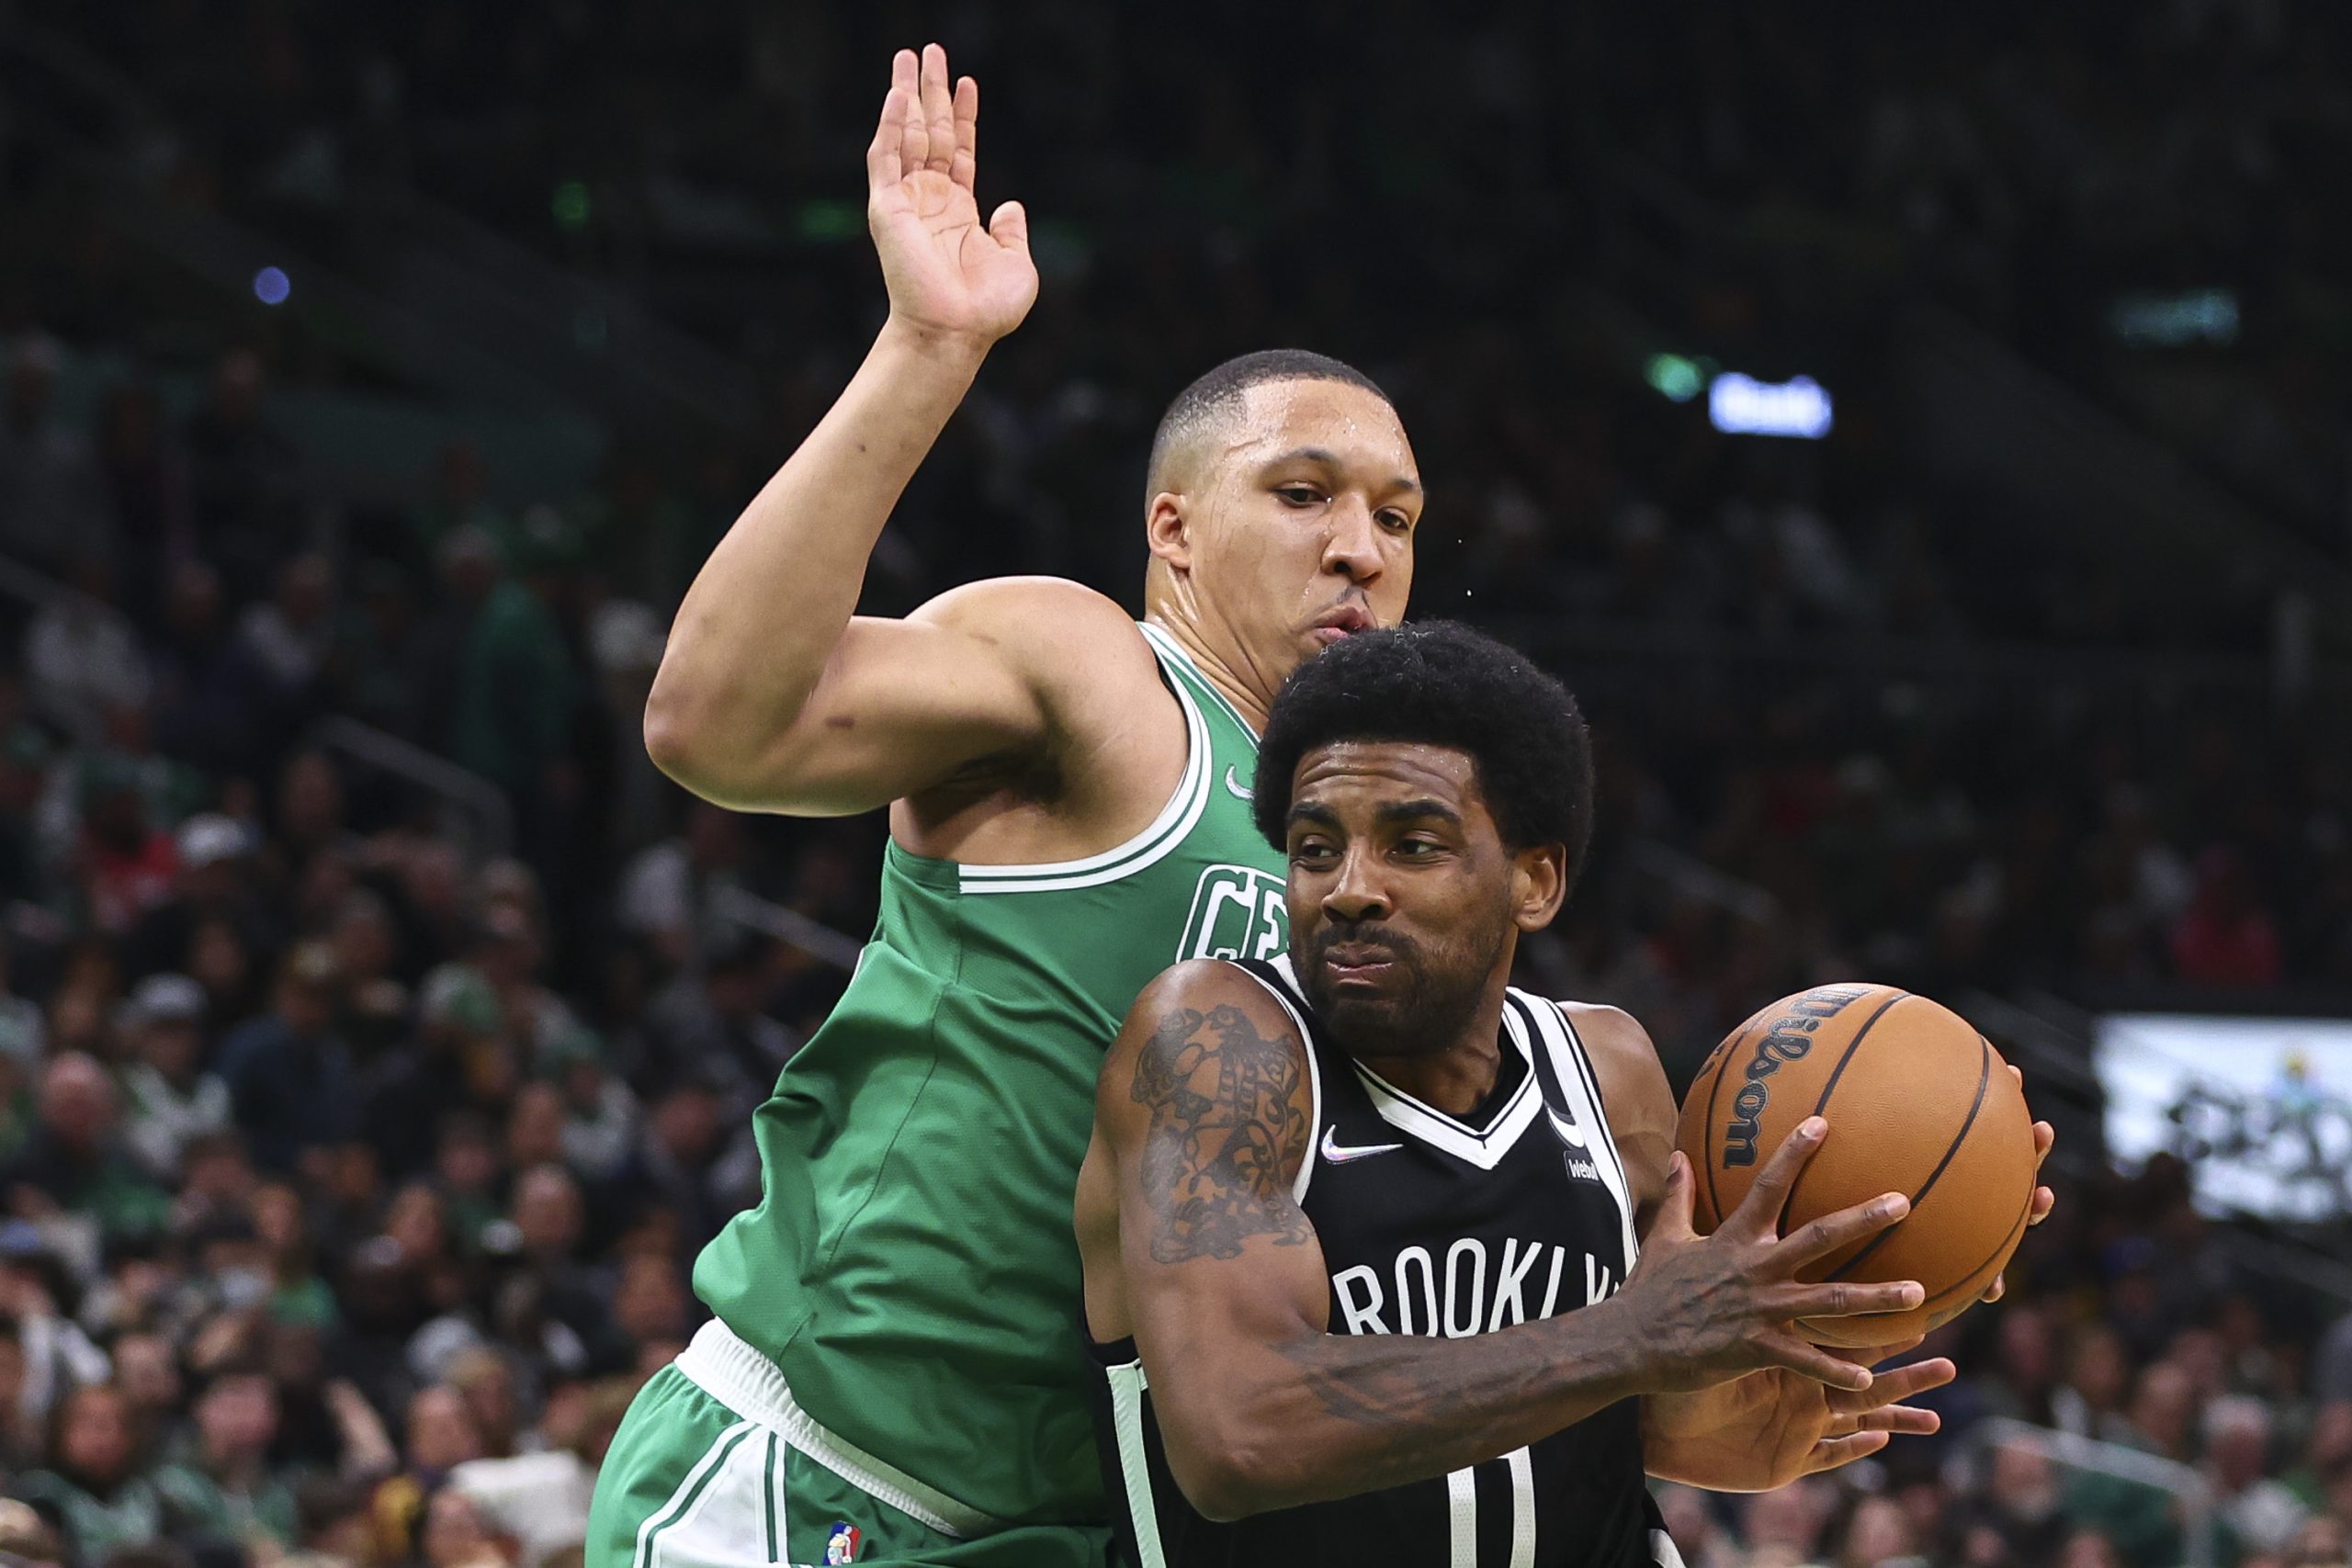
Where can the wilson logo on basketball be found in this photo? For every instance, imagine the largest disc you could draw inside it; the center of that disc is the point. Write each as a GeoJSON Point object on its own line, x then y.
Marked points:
{"type": "Point", "coordinates": [1786, 1039]}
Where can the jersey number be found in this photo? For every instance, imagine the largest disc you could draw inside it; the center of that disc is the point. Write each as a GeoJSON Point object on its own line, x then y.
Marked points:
{"type": "Point", "coordinates": [1462, 1508]}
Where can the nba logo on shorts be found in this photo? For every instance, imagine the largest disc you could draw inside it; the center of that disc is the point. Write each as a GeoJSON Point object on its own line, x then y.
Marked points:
{"type": "Point", "coordinates": [841, 1547]}
{"type": "Point", "coordinates": [1237, 912]}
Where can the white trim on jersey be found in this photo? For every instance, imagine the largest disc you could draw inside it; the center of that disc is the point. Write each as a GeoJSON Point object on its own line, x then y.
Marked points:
{"type": "Point", "coordinates": [1127, 1386]}
{"type": "Point", "coordinates": [1462, 1517]}
{"type": "Point", "coordinates": [1576, 1081]}
{"type": "Point", "coordinates": [1176, 819]}
{"type": "Point", "coordinates": [1313, 1078]}
{"type": "Point", "coordinates": [1523, 1507]}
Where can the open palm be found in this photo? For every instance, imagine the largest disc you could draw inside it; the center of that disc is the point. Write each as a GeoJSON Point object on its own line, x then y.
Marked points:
{"type": "Point", "coordinates": [946, 272]}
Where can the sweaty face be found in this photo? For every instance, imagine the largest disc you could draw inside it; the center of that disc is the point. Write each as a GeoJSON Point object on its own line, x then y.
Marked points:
{"type": "Point", "coordinates": [1299, 515]}
{"type": "Point", "coordinates": [1400, 892]}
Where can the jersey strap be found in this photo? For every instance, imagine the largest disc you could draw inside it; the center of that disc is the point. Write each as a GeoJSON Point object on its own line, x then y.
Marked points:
{"type": "Point", "coordinates": [1572, 1100]}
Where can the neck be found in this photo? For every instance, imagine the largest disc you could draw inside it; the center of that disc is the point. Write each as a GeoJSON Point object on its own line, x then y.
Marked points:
{"type": "Point", "coordinates": [1456, 1078]}
{"type": "Point", "coordinates": [1218, 670]}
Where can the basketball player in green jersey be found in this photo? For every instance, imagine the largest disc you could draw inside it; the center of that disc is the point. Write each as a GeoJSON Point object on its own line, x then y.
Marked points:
{"type": "Point", "coordinates": [894, 1374]}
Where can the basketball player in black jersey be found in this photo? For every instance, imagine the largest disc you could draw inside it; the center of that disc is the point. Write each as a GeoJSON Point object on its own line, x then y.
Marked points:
{"type": "Point", "coordinates": [1359, 1225]}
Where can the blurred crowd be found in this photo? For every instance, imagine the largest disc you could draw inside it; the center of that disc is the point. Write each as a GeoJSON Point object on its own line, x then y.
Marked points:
{"type": "Point", "coordinates": [353, 1144]}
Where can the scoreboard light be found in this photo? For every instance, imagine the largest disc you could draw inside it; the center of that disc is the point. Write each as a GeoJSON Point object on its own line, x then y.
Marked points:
{"type": "Point", "coordinates": [1741, 405]}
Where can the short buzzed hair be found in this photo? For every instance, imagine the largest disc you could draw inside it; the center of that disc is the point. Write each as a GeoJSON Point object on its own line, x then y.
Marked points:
{"type": "Point", "coordinates": [1219, 391]}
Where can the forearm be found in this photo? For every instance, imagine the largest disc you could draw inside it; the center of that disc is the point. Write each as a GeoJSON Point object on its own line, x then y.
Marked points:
{"type": "Point", "coordinates": [1355, 1413]}
{"type": "Point", "coordinates": [765, 614]}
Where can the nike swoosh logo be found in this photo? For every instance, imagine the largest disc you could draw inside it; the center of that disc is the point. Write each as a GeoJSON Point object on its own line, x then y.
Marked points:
{"type": "Point", "coordinates": [1340, 1153]}
{"type": "Point", "coordinates": [1235, 786]}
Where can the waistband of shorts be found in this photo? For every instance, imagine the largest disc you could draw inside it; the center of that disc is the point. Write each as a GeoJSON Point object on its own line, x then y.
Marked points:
{"type": "Point", "coordinates": [722, 1365]}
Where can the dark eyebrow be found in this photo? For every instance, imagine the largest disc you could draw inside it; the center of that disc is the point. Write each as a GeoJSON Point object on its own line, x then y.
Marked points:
{"type": "Point", "coordinates": [1330, 459]}
{"type": "Point", "coordinates": [1400, 811]}
{"type": "Point", "coordinates": [1310, 811]}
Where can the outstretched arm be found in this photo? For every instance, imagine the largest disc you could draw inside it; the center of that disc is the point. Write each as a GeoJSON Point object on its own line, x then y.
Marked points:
{"type": "Point", "coordinates": [1203, 1107]}
{"type": "Point", "coordinates": [769, 694]}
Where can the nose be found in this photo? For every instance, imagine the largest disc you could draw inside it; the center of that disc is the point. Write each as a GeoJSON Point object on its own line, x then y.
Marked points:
{"type": "Point", "coordinates": [1351, 548]}
{"type": "Point", "coordinates": [1356, 894]}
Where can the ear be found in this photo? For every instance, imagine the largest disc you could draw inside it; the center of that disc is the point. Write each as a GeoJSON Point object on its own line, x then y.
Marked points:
{"type": "Point", "coordinates": [1168, 530]}
{"type": "Point", "coordinates": [1539, 885]}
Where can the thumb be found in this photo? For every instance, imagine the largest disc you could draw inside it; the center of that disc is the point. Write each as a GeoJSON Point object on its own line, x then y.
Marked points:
{"type": "Point", "coordinates": [1674, 1211]}
{"type": "Point", "coordinates": [1009, 226]}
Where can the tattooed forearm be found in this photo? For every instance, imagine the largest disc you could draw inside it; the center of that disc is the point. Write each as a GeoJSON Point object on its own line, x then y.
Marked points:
{"type": "Point", "coordinates": [1228, 1126]}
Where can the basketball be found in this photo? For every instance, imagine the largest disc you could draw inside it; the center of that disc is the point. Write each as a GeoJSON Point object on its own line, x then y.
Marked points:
{"type": "Point", "coordinates": [1917, 1102]}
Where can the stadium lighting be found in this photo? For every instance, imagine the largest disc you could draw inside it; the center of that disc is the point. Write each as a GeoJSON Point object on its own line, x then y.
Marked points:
{"type": "Point", "coordinates": [569, 207]}
{"type": "Point", "coordinates": [1674, 376]}
{"type": "Point", "coordinates": [1741, 405]}
{"type": "Point", "coordinates": [271, 285]}
{"type": "Point", "coordinates": [2175, 321]}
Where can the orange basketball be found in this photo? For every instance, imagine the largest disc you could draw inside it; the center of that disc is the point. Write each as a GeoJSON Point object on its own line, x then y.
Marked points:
{"type": "Point", "coordinates": [1917, 1102]}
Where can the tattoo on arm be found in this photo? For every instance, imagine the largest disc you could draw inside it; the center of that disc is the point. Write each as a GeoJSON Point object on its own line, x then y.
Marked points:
{"type": "Point", "coordinates": [1227, 1114]}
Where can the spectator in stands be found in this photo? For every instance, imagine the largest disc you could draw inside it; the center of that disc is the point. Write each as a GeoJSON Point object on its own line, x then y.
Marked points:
{"type": "Point", "coordinates": [295, 1088]}
{"type": "Point", "coordinates": [225, 1481]}
{"type": "Point", "coordinates": [2225, 937]}
{"type": "Point", "coordinates": [2257, 1514]}
{"type": "Point", "coordinates": [171, 1098]}
{"type": "Point", "coordinates": [96, 1482]}
{"type": "Point", "coordinates": [50, 491]}
{"type": "Point", "coordinates": [83, 656]}
{"type": "Point", "coordinates": [76, 1163]}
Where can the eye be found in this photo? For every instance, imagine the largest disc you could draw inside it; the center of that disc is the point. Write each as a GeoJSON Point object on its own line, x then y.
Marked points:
{"type": "Point", "coordinates": [1312, 853]}
{"type": "Point", "coordinates": [1419, 848]}
{"type": "Point", "coordinates": [1396, 522]}
{"type": "Point", "coordinates": [1299, 495]}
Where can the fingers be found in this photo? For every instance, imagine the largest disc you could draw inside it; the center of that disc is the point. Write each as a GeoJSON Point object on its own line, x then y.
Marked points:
{"type": "Point", "coordinates": [883, 165]}
{"type": "Point", "coordinates": [1894, 1386]}
{"type": "Point", "coordinates": [914, 131]}
{"type": "Point", "coordinates": [2044, 1136]}
{"type": "Point", "coordinates": [938, 111]}
{"type": "Point", "coordinates": [2044, 1200]}
{"type": "Point", "coordinates": [1781, 1348]}
{"type": "Point", "coordinates": [1820, 1237]}
{"type": "Point", "coordinates": [1846, 1298]}
{"type": "Point", "coordinates": [1759, 1211]}
{"type": "Point", "coordinates": [1996, 1291]}
{"type": "Point", "coordinates": [1831, 1452]}
{"type": "Point", "coordinates": [964, 163]}
{"type": "Point", "coordinates": [1009, 226]}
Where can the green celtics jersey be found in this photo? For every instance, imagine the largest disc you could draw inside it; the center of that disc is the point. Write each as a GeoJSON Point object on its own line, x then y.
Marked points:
{"type": "Point", "coordinates": [911, 1267]}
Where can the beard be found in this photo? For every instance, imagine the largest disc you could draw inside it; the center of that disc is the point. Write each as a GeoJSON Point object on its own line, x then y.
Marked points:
{"type": "Point", "coordinates": [1421, 1007]}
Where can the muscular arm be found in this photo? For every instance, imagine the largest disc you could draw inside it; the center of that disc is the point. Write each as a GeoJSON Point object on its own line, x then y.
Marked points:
{"type": "Point", "coordinates": [769, 694]}
{"type": "Point", "coordinates": [1203, 1110]}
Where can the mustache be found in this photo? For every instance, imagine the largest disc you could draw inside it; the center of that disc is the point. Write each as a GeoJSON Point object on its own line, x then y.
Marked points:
{"type": "Point", "coordinates": [1399, 944]}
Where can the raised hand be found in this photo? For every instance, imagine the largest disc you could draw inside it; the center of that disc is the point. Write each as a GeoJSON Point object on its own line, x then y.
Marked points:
{"type": "Point", "coordinates": [947, 272]}
{"type": "Point", "coordinates": [1716, 1307]}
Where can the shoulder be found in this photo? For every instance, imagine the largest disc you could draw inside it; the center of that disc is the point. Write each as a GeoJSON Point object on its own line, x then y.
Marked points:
{"type": "Point", "coordinates": [1209, 988]}
{"type": "Point", "coordinates": [1036, 612]}
{"type": "Point", "coordinates": [1635, 1093]}
{"type": "Point", "coordinates": [1194, 1014]}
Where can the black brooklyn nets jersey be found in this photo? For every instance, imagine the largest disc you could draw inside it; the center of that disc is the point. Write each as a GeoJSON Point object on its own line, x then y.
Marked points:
{"type": "Point", "coordinates": [1434, 1224]}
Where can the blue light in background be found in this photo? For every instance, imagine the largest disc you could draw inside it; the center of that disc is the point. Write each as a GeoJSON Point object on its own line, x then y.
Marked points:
{"type": "Point", "coordinates": [271, 285]}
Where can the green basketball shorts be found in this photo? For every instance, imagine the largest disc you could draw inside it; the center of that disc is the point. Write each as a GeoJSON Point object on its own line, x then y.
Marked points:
{"type": "Point", "coordinates": [716, 1466]}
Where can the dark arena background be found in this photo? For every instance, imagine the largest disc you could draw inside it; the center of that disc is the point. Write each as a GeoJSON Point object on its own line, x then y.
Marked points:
{"type": "Point", "coordinates": [1920, 434]}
